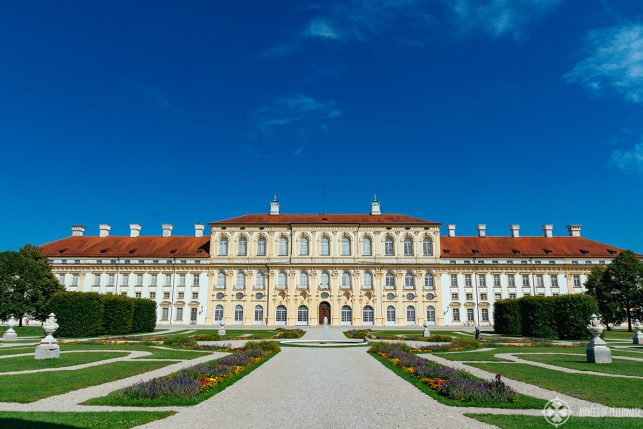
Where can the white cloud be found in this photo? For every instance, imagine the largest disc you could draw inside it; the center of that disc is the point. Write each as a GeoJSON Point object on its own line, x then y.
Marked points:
{"type": "Point", "coordinates": [299, 110]}
{"type": "Point", "coordinates": [629, 159]}
{"type": "Point", "coordinates": [323, 29]}
{"type": "Point", "coordinates": [613, 63]}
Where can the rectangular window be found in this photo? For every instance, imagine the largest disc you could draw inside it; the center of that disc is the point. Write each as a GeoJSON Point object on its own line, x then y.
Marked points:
{"type": "Point", "coordinates": [496, 280]}
{"type": "Point", "coordinates": [512, 295]}
{"type": "Point", "coordinates": [485, 315]}
{"type": "Point", "coordinates": [283, 247]}
{"type": "Point", "coordinates": [181, 280]}
{"type": "Point", "coordinates": [96, 279]}
{"type": "Point", "coordinates": [454, 296]}
{"type": "Point", "coordinates": [554, 280]}
{"type": "Point", "coordinates": [166, 295]}
{"type": "Point", "coordinates": [165, 312]}
{"type": "Point", "coordinates": [139, 280]}
{"type": "Point", "coordinates": [366, 247]}
{"type": "Point", "coordinates": [74, 280]}
{"type": "Point", "coordinates": [540, 281]}
{"type": "Point", "coordinates": [137, 294]}
{"type": "Point", "coordinates": [179, 313]}
{"type": "Point", "coordinates": [154, 280]}
{"type": "Point", "coordinates": [195, 295]}
{"type": "Point", "coordinates": [125, 279]}
{"type": "Point", "coordinates": [483, 296]}
{"type": "Point", "coordinates": [152, 295]}
{"type": "Point", "coordinates": [195, 280]}
{"type": "Point", "coordinates": [454, 280]}
{"type": "Point", "coordinates": [512, 280]}
{"type": "Point", "coordinates": [469, 314]}
{"type": "Point", "coordinates": [168, 279]}
{"type": "Point", "coordinates": [497, 296]}
{"type": "Point", "coordinates": [467, 280]}
{"type": "Point", "coordinates": [111, 279]}
{"type": "Point", "coordinates": [469, 297]}
{"type": "Point", "coordinates": [124, 293]}
{"type": "Point", "coordinates": [483, 281]}
{"type": "Point", "coordinates": [61, 279]}
{"type": "Point", "coordinates": [525, 280]}
{"type": "Point", "coordinates": [181, 295]}
{"type": "Point", "coordinates": [577, 281]}
{"type": "Point", "coordinates": [456, 314]}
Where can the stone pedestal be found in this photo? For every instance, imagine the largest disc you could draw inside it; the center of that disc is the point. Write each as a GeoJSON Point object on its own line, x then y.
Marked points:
{"type": "Point", "coordinates": [637, 338]}
{"type": "Point", "coordinates": [10, 335]}
{"type": "Point", "coordinates": [47, 351]}
{"type": "Point", "coordinates": [221, 331]}
{"type": "Point", "coordinates": [597, 350]}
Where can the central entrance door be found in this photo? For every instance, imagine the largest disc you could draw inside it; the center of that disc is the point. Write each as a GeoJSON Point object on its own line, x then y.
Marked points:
{"type": "Point", "coordinates": [324, 311]}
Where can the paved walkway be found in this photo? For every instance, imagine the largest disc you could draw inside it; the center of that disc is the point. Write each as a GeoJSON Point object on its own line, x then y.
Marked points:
{"type": "Point", "coordinates": [325, 388]}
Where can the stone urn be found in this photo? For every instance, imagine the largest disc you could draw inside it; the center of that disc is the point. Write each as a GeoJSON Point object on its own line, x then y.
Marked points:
{"type": "Point", "coordinates": [221, 331]}
{"type": "Point", "coordinates": [638, 336]}
{"type": "Point", "coordinates": [427, 333]}
{"type": "Point", "coordinates": [10, 334]}
{"type": "Point", "coordinates": [48, 348]}
{"type": "Point", "coordinates": [597, 350]}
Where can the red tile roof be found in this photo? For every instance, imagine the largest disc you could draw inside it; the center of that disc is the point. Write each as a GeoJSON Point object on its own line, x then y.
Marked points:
{"type": "Point", "coordinates": [132, 247]}
{"type": "Point", "coordinates": [363, 219]}
{"type": "Point", "coordinates": [537, 247]}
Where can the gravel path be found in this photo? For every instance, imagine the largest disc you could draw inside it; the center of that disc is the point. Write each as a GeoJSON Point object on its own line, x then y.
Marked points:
{"type": "Point", "coordinates": [325, 388]}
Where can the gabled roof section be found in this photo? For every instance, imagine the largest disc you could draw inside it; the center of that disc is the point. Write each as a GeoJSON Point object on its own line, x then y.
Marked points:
{"type": "Point", "coordinates": [525, 247]}
{"type": "Point", "coordinates": [129, 247]}
{"type": "Point", "coordinates": [361, 219]}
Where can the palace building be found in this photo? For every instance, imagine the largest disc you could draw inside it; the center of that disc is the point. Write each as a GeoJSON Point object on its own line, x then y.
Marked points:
{"type": "Point", "coordinates": [354, 269]}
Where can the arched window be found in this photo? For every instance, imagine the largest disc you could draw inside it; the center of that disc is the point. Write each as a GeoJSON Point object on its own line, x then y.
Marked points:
{"type": "Point", "coordinates": [241, 280]}
{"type": "Point", "coordinates": [367, 315]}
{"type": "Point", "coordinates": [430, 313]}
{"type": "Point", "coordinates": [390, 314]}
{"type": "Point", "coordinates": [428, 281]}
{"type": "Point", "coordinates": [409, 281]}
{"type": "Point", "coordinates": [427, 246]}
{"type": "Point", "coordinates": [243, 247]}
{"type": "Point", "coordinates": [282, 280]}
{"type": "Point", "coordinates": [346, 315]}
{"type": "Point", "coordinates": [389, 247]}
{"type": "Point", "coordinates": [346, 246]}
{"type": "Point", "coordinates": [390, 280]}
{"type": "Point", "coordinates": [283, 246]}
{"type": "Point", "coordinates": [324, 246]}
{"type": "Point", "coordinates": [223, 247]}
{"type": "Point", "coordinates": [258, 315]}
{"type": "Point", "coordinates": [221, 280]}
{"type": "Point", "coordinates": [367, 247]}
{"type": "Point", "coordinates": [261, 246]}
{"type": "Point", "coordinates": [410, 315]}
{"type": "Point", "coordinates": [238, 314]}
{"type": "Point", "coordinates": [346, 280]}
{"type": "Point", "coordinates": [260, 280]}
{"type": "Point", "coordinates": [303, 246]}
{"type": "Point", "coordinates": [324, 281]}
{"type": "Point", "coordinates": [408, 246]}
{"type": "Point", "coordinates": [303, 280]}
{"type": "Point", "coordinates": [281, 315]}
{"type": "Point", "coordinates": [368, 280]}
{"type": "Point", "coordinates": [302, 315]}
{"type": "Point", "coordinates": [218, 313]}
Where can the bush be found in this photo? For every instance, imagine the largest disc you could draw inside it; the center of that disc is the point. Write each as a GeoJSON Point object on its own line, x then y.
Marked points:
{"type": "Point", "coordinates": [290, 333]}
{"type": "Point", "coordinates": [439, 338]}
{"type": "Point", "coordinates": [268, 346]}
{"type": "Point", "coordinates": [507, 318]}
{"type": "Point", "coordinates": [211, 336]}
{"type": "Point", "coordinates": [117, 315]}
{"type": "Point", "coordinates": [572, 313]}
{"type": "Point", "coordinates": [144, 319]}
{"type": "Point", "coordinates": [79, 314]}
{"type": "Point", "coordinates": [180, 342]}
{"type": "Point", "coordinates": [538, 316]}
{"type": "Point", "coordinates": [467, 343]}
{"type": "Point", "coordinates": [358, 333]}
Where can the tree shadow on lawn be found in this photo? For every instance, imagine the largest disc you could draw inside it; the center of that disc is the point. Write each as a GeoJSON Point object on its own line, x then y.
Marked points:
{"type": "Point", "coordinates": [30, 424]}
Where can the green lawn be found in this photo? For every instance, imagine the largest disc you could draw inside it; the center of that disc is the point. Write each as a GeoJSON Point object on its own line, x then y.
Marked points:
{"type": "Point", "coordinates": [489, 354]}
{"type": "Point", "coordinates": [23, 363]}
{"type": "Point", "coordinates": [615, 392]}
{"type": "Point", "coordinates": [27, 331]}
{"type": "Point", "coordinates": [175, 353]}
{"type": "Point", "coordinates": [538, 422]}
{"type": "Point", "coordinates": [523, 401]}
{"type": "Point", "coordinates": [618, 366]}
{"type": "Point", "coordinates": [618, 335]}
{"type": "Point", "coordinates": [414, 333]}
{"type": "Point", "coordinates": [101, 420]}
{"type": "Point", "coordinates": [17, 350]}
{"type": "Point", "coordinates": [20, 388]}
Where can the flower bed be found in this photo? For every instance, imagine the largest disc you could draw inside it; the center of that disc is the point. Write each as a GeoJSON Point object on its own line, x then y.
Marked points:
{"type": "Point", "coordinates": [457, 345]}
{"type": "Point", "coordinates": [459, 385]}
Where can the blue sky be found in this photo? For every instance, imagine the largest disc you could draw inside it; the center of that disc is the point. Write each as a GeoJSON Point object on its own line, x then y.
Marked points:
{"type": "Point", "coordinates": [461, 112]}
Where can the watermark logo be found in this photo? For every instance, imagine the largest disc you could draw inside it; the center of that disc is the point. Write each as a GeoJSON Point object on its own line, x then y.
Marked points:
{"type": "Point", "coordinates": [556, 412]}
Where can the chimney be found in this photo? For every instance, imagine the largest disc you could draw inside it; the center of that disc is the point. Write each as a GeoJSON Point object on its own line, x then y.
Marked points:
{"type": "Point", "coordinates": [103, 229]}
{"type": "Point", "coordinates": [274, 206]}
{"type": "Point", "coordinates": [375, 207]}
{"type": "Point", "coordinates": [198, 230]}
{"type": "Point", "coordinates": [482, 230]}
{"type": "Point", "coordinates": [134, 229]}
{"type": "Point", "coordinates": [77, 230]}
{"type": "Point", "coordinates": [548, 230]}
{"type": "Point", "coordinates": [515, 230]}
{"type": "Point", "coordinates": [451, 228]}
{"type": "Point", "coordinates": [167, 229]}
{"type": "Point", "coordinates": [574, 230]}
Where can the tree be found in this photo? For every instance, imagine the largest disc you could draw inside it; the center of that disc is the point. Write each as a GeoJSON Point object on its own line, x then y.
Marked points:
{"type": "Point", "coordinates": [26, 283]}
{"type": "Point", "coordinates": [619, 289]}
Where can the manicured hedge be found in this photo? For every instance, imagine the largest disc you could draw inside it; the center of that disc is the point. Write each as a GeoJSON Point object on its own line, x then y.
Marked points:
{"type": "Point", "coordinates": [563, 317]}
{"type": "Point", "coordinates": [87, 314]}
{"type": "Point", "coordinates": [79, 314]}
{"type": "Point", "coordinates": [144, 319]}
{"type": "Point", "coordinates": [507, 318]}
{"type": "Point", "coordinates": [117, 317]}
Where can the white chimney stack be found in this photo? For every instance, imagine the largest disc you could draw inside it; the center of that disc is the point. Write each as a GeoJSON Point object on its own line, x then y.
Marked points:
{"type": "Point", "coordinates": [167, 229]}
{"type": "Point", "coordinates": [574, 230]}
{"type": "Point", "coordinates": [548, 230]}
{"type": "Point", "coordinates": [103, 229]}
{"type": "Point", "coordinates": [134, 229]}
{"type": "Point", "coordinates": [198, 230]}
{"type": "Point", "coordinates": [482, 230]}
{"type": "Point", "coordinates": [375, 207]}
{"type": "Point", "coordinates": [77, 230]}
{"type": "Point", "coordinates": [274, 206]}
{"type": "Point", "coordinates": [451, 228]}
{"type": "Point", "coordinates": [515, 230]}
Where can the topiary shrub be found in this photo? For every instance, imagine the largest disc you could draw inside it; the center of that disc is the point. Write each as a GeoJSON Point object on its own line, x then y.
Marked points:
{"type": "Point", "coordinates": [538, 316]}
{"type": "Point", "coordinates": [144, 318]}
{"type": "Point", "coordinates": [268, 346]}
{"type": "Point", "coordinates": [572, 315]}
{"type": "Point", "coordinates": [507, 318]}
{"type": "Point", "coordinates": [117, 315]}
{"type": "Point", "coordinates": [79, 314]}
{"type": "Point", "coordinates": [180, 342]}
{"type": "Point", "coordinates": [438, 338]}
